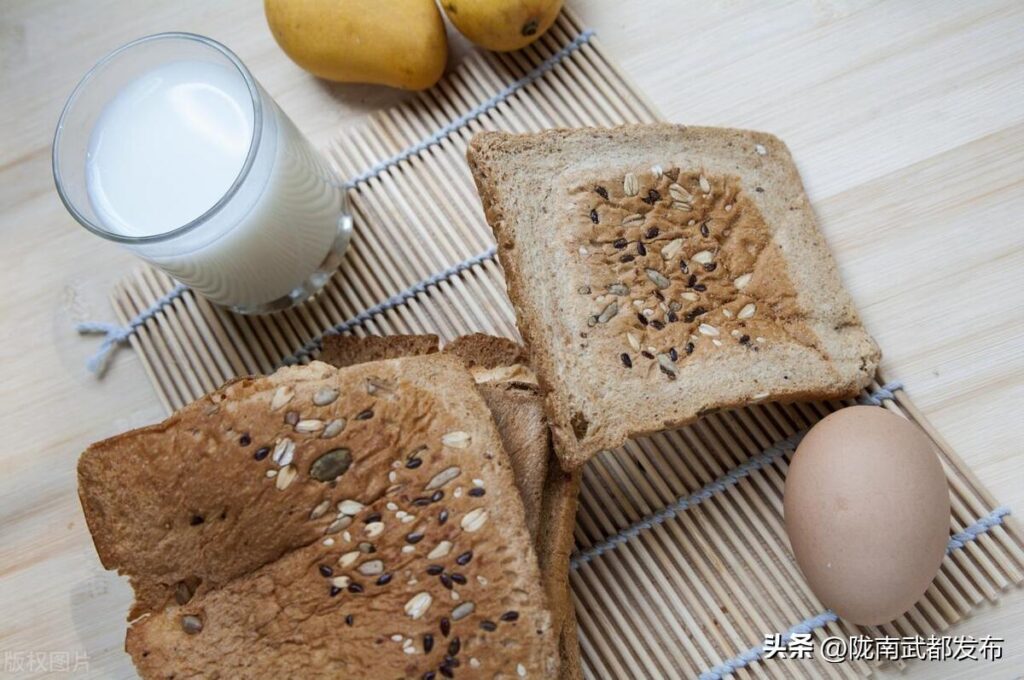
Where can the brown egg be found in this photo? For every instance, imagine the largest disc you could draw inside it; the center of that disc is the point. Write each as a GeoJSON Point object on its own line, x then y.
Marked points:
{"type": "Point", "coordinates": [867, 513]}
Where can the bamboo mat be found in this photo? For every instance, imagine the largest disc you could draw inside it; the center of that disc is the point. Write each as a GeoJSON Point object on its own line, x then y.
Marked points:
{"type": "Point", "coordinates": [695, 594]}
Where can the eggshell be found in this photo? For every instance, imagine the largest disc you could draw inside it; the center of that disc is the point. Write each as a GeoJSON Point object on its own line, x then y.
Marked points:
{"type": "Point", "coordinates": [867, 513]}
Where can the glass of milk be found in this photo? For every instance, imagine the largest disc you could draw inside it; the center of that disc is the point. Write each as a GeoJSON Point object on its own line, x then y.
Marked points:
{"type": "Point", "coordinates": [171, 148]}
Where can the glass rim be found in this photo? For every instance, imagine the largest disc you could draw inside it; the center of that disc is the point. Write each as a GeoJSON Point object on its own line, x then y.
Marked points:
{"type": "Point", "coordinates": [254, 142]}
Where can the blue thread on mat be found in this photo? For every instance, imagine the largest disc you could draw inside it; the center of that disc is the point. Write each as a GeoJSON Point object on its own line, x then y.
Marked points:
{"type": "Point", "coordinates": [474, 113]}
{"type": "Point", "coordinates": [115, 334]}
{"type": "Point", "coordinates": [882, 393]}
{"type": "Point", "coordinates": [971, 533]}
{"type": "Point", "coordinates": [730, 478]}
{"type": "Point", "coordinates": [394, 301]}
{"type": "Point", "coordinates": [748, 657]}
{"type": "Point", "coordinates": [809, 625]}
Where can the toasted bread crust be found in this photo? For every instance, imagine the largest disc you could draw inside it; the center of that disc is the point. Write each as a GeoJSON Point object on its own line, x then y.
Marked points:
{"type": "Point", "coordinates": [349, 350]}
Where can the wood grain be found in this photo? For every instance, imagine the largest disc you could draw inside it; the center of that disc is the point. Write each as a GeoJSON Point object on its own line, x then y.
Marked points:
{"type": "Point", "coordinates": [906, 119]}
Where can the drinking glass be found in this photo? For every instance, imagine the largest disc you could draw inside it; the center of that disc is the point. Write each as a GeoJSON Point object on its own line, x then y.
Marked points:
{"type": "Point", "coordinates": [171, 148]}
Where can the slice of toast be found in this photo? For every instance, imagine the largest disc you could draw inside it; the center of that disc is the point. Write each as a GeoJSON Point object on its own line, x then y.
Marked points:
{"type": "Point", "coordinates": [659, 272]}
{"type": "Point", "coordinates": [549, 494]}
{"type": "Point", "coordinates": [360, 522]}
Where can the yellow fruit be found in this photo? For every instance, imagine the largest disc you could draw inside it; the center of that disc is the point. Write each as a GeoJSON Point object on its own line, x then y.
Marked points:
{"type": "Point", "coordinates": [401, 43]}
{"type": "Point", "coordinates": [502, 25]}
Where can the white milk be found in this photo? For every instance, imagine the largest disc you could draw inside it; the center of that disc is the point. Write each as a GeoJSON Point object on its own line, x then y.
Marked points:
{"type": "Point", "coordinates": [170, 145]}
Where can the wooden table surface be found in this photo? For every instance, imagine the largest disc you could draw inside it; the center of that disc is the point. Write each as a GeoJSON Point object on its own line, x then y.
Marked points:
{"type": "Point", "coordinates": [907, 122]}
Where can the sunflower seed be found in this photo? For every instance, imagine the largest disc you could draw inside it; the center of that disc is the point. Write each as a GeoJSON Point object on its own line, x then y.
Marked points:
{"type": "Point", "coordinates": [635, 218]}
{"type": "Point", "coordinates": [742, 281]}
{"type": "Point", "coordinates": [658, 279]}
{"type": "Point", "coordinates": [463, 610]}
{"type": "Point", "coordinates": [337, 525]}
{"type": "Point", "coordinates": [440, 550]}
{"type": "Point", "coordinates": [191, 624]}
{"type": "Point", "coordinates": [325, 396]}
{"type": "Point", "coordinates": [678, 193]}
{"type": "Point", "coordinates": [309, 425]}
{"type": "Point", "coordinates": [520, 670]}
{"type": "Point", "coordinates": [608, 312]}
{"type": "Point", "coordinates": [707, 329]}
{"type": "Point", "coordinates": [657, 171]}
{"type": "Point", "coordinates": [634, 341]}
{"type": "Point", "coordinates": [630, 185]}
{"type": "Point", "coordinates": [282, 395]}
{"type": "Point", "coordinates": [726, 313]}
{"type": "Point", "coordinates": [417, 606]}
{"type": "Point", "coordinates": [284, 452]}
{"type": "Point", "coordinates": [331, 465]}
{"type": "Point", "coordinates": [692, 297]}
{"type": "Point", "coordinates": [378, 386]}
{"type": "Point", "coordinates": [333, 428]}
{"type": "Point", "coordinates": [350, 507]}
{"type": "Point", "coordinates": [747, 311]}
{"type": "Point", "coordinates": [474, 520]}
{"type": "Point", "coordinates": [618, 289]}
{"type": "Point", "coordinates": [371, 568]}
{"type": "Point", "coordinates": [320, 510]}
{"type": "Point", "coordinates": [456, 440]}
{"type": "Point", "coordinates": [680, 205]}
{"type": "Point", "coordinates": [442, 478]}
{"type": "Point", "coordinates": [703, 257]}
{"type": "Point", "coordinates": [349, 558]}
{"type": "Point", "coordinates": [705, 185]}
{"type": "Point", "coordinates": [285, 477]}
{"type": "Point", "coordinates": [672, 249]}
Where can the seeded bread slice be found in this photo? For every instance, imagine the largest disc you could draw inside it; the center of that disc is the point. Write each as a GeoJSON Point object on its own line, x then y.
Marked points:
{"type": "Point", "coordinates": [659, 272]}
{"type": "Point", "coordinates": [549, 494]}
{"type": "Point", "coordinates": [336, 555]}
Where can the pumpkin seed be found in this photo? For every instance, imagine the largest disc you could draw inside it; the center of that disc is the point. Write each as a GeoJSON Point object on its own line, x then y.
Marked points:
{"type": "Point", "coordinates": [331, 465]}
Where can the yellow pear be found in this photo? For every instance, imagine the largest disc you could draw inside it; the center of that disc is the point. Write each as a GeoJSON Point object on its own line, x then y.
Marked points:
{"type": "Point", "coordinates": [502, 25]}
{"type": "Point", "coordinates": [401, 43]}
